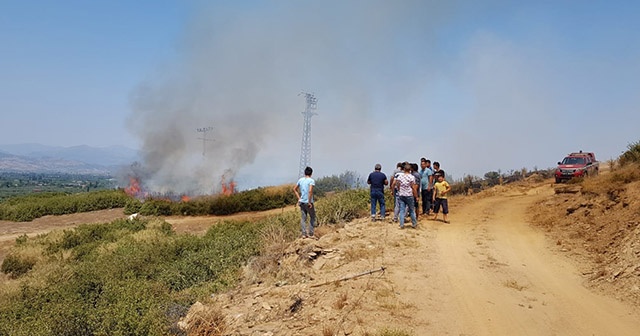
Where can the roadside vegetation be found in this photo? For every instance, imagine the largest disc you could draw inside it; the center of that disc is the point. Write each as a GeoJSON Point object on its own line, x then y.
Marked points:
{"type": "Point", "coordinates": [29, 207]}
{"type": "Point", "coordinates": [138, 277]}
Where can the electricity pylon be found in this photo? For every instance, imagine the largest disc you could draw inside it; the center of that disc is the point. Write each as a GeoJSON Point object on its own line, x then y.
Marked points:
{"type": "Point", "coordinates": [305, 152]}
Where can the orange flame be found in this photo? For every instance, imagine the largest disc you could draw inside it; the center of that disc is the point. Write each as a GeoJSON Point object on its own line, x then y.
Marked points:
{"type": "Point", "coordinates": [133, 189]}
{"type": "Point", "coordinates": [228, 188]}
{"type": "Point", "coordinates": [185, 198]}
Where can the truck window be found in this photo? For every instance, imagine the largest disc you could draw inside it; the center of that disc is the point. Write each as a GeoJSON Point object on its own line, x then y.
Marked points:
{"type": "Point", "coordinates": [573, 161]}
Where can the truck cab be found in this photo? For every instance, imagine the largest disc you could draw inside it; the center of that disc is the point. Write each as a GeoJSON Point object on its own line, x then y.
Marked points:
{"type": "Point", "coordinates": [577, 164]}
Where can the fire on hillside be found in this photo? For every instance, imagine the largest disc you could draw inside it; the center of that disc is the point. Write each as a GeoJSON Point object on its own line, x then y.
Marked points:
{"type": "Point", "coordinates": [136, 189]}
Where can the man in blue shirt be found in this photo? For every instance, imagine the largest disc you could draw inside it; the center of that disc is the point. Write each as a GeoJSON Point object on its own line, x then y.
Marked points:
{"type": "Point", "coordinates": [304, 193]}
{"type": "Point", "coordinates": [377, 180]}
{"type": "Point", "coordinates": [426, 185]}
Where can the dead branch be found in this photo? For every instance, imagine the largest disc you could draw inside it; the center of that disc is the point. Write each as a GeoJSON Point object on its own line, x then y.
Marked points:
{"type": "Point", "coordinates": [381, 269]}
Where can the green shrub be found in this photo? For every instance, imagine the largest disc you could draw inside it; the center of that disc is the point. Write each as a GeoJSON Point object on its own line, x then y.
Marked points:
{"type": "Point", "coordinates": [128, 277]}
{"type": "Point", "coordinates": [27, 208]}
{"type": "Point", "coordinates": [122, 278]}
{"type": "Point", "coordinates": [632, 154]}
{"type": "Point", "coordinates": [343, 207]}
{"type": "Point", "coordinates": [156, 207]}
{"type": "Point", "coordinates": [15, 265]}
{"type": "Point", "coordinates": [393, 332]}
{"type": "Point", "coordinates": [132, 206]}
{"type": "Point", "coordinates": [22, 239]}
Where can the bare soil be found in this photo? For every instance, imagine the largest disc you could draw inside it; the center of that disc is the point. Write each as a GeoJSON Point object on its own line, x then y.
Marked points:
{"type": "Point", "coordinates": [515, 260]}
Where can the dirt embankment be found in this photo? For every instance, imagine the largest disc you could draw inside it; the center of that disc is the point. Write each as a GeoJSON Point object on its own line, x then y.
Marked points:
{"type": "Point", "coordinates": [489, 272]}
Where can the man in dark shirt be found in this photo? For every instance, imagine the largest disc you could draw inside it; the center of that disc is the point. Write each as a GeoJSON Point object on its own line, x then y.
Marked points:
{"type": "Point", "coordinates": [377, 180]}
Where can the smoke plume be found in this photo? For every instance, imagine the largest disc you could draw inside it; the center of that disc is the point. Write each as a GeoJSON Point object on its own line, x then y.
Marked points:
{"type": "Point", "coordinates": [240, 70]}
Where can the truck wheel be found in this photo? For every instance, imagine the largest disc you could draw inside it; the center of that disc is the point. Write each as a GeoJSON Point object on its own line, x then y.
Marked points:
{"type": "Point", "coordinates": [558, 180]}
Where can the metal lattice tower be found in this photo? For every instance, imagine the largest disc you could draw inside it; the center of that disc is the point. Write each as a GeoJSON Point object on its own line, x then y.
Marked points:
{"type": "Point", "coordinates": [204, 139]}
{"type": "Point", "coordinates": [305, 152]}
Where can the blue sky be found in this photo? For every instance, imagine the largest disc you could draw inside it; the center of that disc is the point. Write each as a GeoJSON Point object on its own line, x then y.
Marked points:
{"type": "Point", "coordinates": [476, 85]}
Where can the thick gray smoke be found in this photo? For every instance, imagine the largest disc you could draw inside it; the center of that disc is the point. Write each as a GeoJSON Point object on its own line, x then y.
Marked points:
{"type": "Point", "coordinates": [240, 70]}
{"type": "Point", "coordinates": [395, 81]}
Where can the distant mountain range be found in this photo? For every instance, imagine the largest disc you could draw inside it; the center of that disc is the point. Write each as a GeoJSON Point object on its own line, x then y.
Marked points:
{"type": "Point", "coordinates": [37, 158]}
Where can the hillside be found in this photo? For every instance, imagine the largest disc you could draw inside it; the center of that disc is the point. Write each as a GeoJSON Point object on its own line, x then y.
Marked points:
{"type": "Point", "coordinates": [527, 258]}
{"type": "Point", "coordinates": [489, 272]}
{"type": "Point", "coordinates": [36, 158]}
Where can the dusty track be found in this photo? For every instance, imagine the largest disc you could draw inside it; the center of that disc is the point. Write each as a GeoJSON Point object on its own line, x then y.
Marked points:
{"type": "Point", "coordinates": [490, 273]}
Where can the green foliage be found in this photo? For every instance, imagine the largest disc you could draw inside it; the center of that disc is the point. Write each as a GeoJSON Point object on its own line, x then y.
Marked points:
{"type": "Point", "coordinates": [27, 208]}
{"type": "Point", "coordinates": [258, 199]}
{"type": "Point", "coordinates": [345, 181]}
{"type": "Point", "coordinates": [492, 178]}
{"type": "Point", "coordinates": [87, 237]}
{"type": "Point", "coordinates": [135, 277]}
{"type": "Point", "coordinates": [132, 206]}
{"type": "Point", "coordinates": [393, 332]}
{"type": "Point", "coordinates": [22, 239]}
{"type": "Point", "coordinates": [156, 207]}
{"type": "Point", "coordinates": [16, 265]}
{"type": "Point", "coordinates": [343, 207]}
{"type": "Point", "coordinates": [14, 184]}
{"type": "Point", "coordinates": [632, 154]}
{"type": "Point", "coordinates": [122, 278]}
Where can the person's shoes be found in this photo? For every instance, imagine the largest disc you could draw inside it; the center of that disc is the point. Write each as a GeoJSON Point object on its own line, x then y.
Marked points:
{"type": "Point", "coordinates": [373, 218]}
{"type": "Point", "coordinates": [401, 227]}
{"type": "Point", "coordinates": [447, 222]}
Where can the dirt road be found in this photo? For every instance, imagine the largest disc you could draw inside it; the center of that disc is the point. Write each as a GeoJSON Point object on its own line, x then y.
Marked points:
{"type": "Point", "coordinates": [491, 273]}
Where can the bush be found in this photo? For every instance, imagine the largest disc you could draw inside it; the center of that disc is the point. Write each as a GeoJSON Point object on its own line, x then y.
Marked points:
{"type": "Point", "coordinates": [128, 277]}
{"type": "Point", "coordinates": [27, 208]}
{"type": "Point", "coordinates": [15, 265]}
{"type": "Point", "coordinates": [631, 155]}
{"type": "Point", "coordinates": [343, 207]}
{"type": "Point", "coordinates": [121, 278]}
{"type": "Point", "coordinates": [345, 181]}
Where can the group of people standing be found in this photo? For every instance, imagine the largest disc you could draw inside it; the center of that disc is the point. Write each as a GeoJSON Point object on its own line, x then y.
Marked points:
{"type": "Point", "coordinates": [408, 184]}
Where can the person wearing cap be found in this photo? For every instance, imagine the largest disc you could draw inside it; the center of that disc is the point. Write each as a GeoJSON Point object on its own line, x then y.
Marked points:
{"type": "Point", "coordinates": [377, 180]}
{"type": "Point", "coordinates": [441, 189]}
{"type": "Point", "coordinates": [407, 191]}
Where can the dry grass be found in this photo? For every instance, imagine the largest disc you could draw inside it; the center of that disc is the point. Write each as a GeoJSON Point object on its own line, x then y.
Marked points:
{"type": "Point", "coordinates": [341, 301]}
{"type": "Point", "coordinates": [389, 332]}
{"type": "Point", "coordinates": [274, 242]}
{"type": "Point", "coordinates": [278, 190]}
{"type": "Point", "coordinates": [328, 330]}
{"type": "Point", "coordinates": [362, 252]}
{"type": "Point", "coordinates": [207, 321]}
{"type": "Point", "coordinates": [323, 230]}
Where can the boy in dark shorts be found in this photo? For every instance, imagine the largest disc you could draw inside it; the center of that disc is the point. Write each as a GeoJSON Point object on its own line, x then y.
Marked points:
{"type": "Point", "coordinates": [440, 191]}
